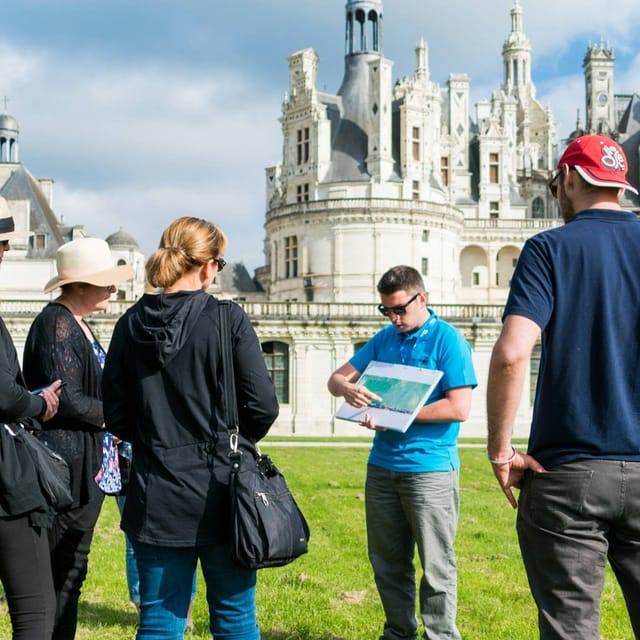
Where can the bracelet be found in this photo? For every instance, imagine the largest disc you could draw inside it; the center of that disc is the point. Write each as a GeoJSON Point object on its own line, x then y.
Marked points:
{"type": "Point", "coordinates": [507, 461]}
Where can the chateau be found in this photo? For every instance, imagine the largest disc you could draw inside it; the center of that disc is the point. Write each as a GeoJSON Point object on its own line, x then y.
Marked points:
{"type": "Point", "coordinates": [385, 173]}
{"type": "Point", "coordinates": [382, 172]}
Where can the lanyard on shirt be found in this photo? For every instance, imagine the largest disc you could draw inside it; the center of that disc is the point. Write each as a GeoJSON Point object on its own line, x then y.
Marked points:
{"type": "Point", "coordinates": [410, 342]}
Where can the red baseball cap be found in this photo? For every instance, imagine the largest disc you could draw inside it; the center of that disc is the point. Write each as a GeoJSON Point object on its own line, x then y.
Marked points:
{"type": "Point", "coordinates": [599, 160]}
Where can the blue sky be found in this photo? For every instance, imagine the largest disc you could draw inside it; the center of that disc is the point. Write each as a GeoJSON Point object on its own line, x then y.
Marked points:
{"type": "Point", "coordinates": [144, 110]}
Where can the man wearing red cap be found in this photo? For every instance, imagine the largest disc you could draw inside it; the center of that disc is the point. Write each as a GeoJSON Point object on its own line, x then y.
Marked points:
{"type": "Point", "coordinates": [578, 287]}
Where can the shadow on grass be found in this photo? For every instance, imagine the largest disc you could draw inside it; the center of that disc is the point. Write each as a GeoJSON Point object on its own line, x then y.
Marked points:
{"type": "Point", "coordinates": [296, 635]}
{"type": "Point", "coordinates": [90, 613]}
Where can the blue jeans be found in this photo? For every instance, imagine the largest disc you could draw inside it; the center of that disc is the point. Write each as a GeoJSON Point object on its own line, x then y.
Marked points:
{"type": "Point", "coordinates": [570, 520]}
{"type": "Point", "coordinates": [133, 581]}
{"type": "Point", "coordinates": [404, 510]}
{"type": "Point", "coordinates": [166, 577]}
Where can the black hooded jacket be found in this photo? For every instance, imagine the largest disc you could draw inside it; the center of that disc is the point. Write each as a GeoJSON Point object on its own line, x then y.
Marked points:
{"type": "Point", "coordinates": [162, 391]}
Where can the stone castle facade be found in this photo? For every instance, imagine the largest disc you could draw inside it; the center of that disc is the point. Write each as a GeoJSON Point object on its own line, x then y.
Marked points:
{"type": "Point", "coordinates": [383, 172]}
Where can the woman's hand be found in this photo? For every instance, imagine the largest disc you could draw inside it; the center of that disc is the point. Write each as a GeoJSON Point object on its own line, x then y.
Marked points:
{"type": "Point", "coordinates": [51, 396]}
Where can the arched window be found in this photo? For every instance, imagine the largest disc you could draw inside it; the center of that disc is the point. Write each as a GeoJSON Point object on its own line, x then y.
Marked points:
{"type": "Point", "coordinates": [276, 357]}
{"type": "Point", "coordinates": [537, 208]}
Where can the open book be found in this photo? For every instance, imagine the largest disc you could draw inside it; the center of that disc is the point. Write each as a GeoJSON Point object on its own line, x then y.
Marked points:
{"type": "Point", "coordinates": [403, 390]}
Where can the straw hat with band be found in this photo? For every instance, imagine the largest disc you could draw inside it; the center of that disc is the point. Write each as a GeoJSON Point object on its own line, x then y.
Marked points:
{"type": "Point", "coordinates": [87, 260]}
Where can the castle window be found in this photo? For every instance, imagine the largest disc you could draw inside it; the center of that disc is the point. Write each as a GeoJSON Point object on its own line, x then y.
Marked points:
{"type": "Point", "coordinates": [415, 190]}
{"type": "Point", "coordinates": [415, 143]}
{"type": "Point", "coordinates": [302, 192]}
{"type": "Point", "coordinates": [537, 208]}
{"type": "Point", "coordinates": [424, 267]}
{"type": "Point", "coordinates": [494, 209]}
{"type": "Point", "coordinates": [302, 145]}
{"type": "Point", "coordinates": [276, 357]}
{"type": "Point", "coordinates": [444, 171]}
{"type": "Point", "coordinates": [494, 166]}
{"type": "Point", "coordinates": [39, 241]}
{"type": "Point", "coordinates": [291, 257]}
{"type": "Point", "coordinates": [425, 235]}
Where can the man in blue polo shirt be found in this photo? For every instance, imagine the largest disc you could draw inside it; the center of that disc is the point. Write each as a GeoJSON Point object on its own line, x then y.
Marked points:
{"type": "Point", "coordinates": [411, 492]}
{"type": "Point", "coordinates": [579, 287]}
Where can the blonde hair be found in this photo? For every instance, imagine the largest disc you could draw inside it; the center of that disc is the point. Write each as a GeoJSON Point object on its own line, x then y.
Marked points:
{"type": "Point", "coordinates": [186, 244]}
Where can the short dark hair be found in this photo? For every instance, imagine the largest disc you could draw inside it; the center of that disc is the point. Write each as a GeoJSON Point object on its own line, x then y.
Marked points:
{"type": "Point", "coordinates": [400, 278]}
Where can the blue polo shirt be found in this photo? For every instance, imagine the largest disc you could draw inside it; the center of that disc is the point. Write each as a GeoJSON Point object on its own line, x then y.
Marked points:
{"type": "Point", "coordinates": [425, 446]}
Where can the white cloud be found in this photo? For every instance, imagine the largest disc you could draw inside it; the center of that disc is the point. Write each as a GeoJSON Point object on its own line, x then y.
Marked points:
{"type": "Point", "coordinates": [136, 147]}
{"type": "Point", "coordinates": [144, 213]}
{"type": "Point", "coordinates": [135, 140]}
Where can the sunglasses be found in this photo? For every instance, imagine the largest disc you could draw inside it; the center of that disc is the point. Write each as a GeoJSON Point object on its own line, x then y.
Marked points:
{"type": "Point", "coordinates": [553, 183]}
{"type": "Point", "coordinates": [221, 262]}
{"type": "Point", "coordinates": [400, 310]}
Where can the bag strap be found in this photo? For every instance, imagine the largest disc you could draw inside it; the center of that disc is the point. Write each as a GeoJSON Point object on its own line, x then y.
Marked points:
{"type": "Point", "coordinates": [228, 378]}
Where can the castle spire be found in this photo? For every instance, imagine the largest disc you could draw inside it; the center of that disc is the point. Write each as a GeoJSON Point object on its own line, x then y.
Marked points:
{"type": "Point", "coordinates": [516, 53]}
{"type": "Point", "coordinates": [364, 26]}
{"type": "Point", "coordinates": [422, 60]}
{"type": "Point", "coordinates": [8, 137]}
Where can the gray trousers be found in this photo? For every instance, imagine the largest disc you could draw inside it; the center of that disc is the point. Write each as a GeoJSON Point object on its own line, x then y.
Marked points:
{"type": "Point", "coordinates": [570, 520]}
{"type": "Point", "coordinates": [405, 510]}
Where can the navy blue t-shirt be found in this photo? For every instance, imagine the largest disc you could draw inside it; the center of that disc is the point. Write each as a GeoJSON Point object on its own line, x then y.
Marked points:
{"type": "Point", "coordinates": [581, 284]}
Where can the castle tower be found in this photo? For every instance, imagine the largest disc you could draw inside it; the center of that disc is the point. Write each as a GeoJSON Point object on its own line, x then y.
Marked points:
{"type": "Point", "coordinates": [598, 77]}
{"type": "Point", "coordinates": [8, 139]}
{"type": "Point", "coordinates": [516, 54]}
{"type": "Point", "coordinates": [364, 26]}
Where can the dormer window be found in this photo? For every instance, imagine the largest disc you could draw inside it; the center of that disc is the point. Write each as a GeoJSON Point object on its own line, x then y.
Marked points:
{"type": "Point", "coordinates": [39, 241]}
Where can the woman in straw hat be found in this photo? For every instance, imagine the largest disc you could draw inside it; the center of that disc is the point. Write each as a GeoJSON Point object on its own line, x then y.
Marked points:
{"type": "Point", "coordinates": [25, 570]}
{"type": "Point", "coordinates": [61, 344]}
{"type": "Point", "coordinates": [162, 392]}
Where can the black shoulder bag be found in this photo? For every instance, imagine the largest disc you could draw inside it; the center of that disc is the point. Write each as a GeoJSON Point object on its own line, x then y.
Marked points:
{"type": "Point", "coordinates": [267, 527]}
{"type": "Point", "coordinates": [51, 469]}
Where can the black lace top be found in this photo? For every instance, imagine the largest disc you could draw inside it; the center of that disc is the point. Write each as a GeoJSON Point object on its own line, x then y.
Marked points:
{"type": "Point", "coordinates": [56, 347]}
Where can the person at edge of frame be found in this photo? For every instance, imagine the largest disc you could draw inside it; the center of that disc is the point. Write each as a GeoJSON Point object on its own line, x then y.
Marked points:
{"type": "Point", "coordinates": [25, 516]}
{"type": "Point", "coordinates": [578, 288]}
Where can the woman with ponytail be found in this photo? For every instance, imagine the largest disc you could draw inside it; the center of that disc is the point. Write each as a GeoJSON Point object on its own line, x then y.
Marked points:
{"type": "Point", "coordinates": [163, 392]}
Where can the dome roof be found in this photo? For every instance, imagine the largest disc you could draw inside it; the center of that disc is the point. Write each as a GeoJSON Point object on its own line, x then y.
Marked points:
{"type": "Point", "coordinates": [121, 239]}
{"type": "Point", "coordinates": [8, 122]}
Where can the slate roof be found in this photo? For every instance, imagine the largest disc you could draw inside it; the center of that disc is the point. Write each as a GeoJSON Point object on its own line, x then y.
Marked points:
{"type": "Point", "coordinates": [21, 185]}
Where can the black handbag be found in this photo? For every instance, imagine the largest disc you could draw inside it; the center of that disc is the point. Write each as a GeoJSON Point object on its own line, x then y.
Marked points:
{"type": "Point", "coordinates": [267, 527]}
{"type": "Point", "coordinates": [52, 470]}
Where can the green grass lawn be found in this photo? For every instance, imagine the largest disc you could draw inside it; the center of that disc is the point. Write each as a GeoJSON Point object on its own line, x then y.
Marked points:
{"type": "Point", "coordinates": [329, 593]}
